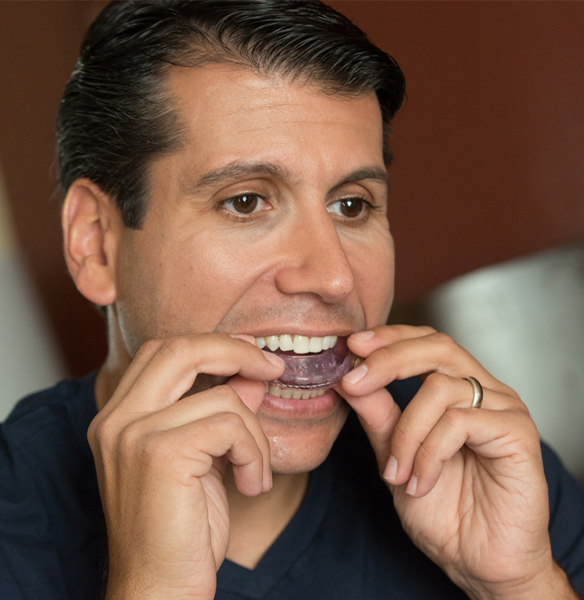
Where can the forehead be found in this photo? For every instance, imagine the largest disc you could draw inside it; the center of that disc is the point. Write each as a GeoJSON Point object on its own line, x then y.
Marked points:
{"type": "Point", "coordinates": [229, 113]}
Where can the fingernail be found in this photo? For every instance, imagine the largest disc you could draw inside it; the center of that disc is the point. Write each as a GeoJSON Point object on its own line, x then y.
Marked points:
{"type": "Point", "coordinates": [274, 359]}
{"type": "Point", "coordinates": [243, 336]}
{"type": "Point", "coordinates": [356, 375]}
{"type": "Point", "coordinates": [363, 336]}
{"type": "Point", "coordinates": [412, 486]}
{"type": "Point", "coordinates": [391, 469]}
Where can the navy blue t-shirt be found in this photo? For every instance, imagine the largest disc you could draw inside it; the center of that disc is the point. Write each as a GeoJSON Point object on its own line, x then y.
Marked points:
{"type": "Point", "coordinates": [345, 542]}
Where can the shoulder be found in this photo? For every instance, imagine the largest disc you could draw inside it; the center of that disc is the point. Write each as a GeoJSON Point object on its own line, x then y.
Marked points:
{"type": "Point", "coordinates": [49, 501]}
{"type": "Point", "coordinates": [43, 439]}
{"type": "Point", "coordinates": [44, 404]}
{"type": "Point", "coordinates": [69, 405]}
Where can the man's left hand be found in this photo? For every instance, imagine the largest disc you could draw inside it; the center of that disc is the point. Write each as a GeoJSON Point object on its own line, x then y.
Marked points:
{"type": "Point", "coordinates": [468, 483]}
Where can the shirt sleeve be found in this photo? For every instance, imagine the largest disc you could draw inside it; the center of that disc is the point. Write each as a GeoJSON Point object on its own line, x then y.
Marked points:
{"type": "Point", "coordinates": [566, 526]}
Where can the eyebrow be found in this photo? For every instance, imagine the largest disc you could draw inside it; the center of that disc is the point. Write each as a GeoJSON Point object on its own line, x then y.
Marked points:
{"type": "Point", "coordinates": [370, 173]}
{"type": "Point", "coordinates": [239, 170]}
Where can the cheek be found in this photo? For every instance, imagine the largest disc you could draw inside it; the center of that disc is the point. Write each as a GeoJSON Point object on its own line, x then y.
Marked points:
{"type": "Point", "coordinates": [374, 273]}
{"type": "Point", "coordinates": [184, 287]}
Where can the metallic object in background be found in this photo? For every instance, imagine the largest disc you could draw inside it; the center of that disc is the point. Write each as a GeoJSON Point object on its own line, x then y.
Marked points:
{"type": "Point", "coordinates": [524, 321]}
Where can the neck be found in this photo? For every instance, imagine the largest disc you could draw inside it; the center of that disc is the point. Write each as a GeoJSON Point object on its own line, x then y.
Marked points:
{"type": "Point", "coordinates": [256, 523]}
{"type": "Point", "coordinates": [115, 365]}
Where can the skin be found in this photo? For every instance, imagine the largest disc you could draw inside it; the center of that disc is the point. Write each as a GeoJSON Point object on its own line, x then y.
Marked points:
{"type": "Point", "coordinates": [194, 462]}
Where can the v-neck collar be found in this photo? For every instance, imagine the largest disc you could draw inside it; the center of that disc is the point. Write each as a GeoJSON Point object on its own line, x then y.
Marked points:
{"type": "Point", "coordinates": [289, 546]}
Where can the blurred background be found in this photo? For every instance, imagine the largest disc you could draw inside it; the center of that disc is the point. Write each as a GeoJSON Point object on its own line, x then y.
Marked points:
{"type": "Point", "coordinates": [486, 207]}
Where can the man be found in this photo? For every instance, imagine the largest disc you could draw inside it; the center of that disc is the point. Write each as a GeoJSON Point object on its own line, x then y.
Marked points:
{"type": "Point", "coordinates": [224, 176]}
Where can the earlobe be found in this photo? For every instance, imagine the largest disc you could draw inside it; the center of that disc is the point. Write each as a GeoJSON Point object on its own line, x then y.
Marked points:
{"type": "Point", "coordinates": [90, 226]}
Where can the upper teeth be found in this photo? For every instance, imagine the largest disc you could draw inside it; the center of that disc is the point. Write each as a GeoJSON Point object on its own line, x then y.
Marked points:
{"type": "Point", "coordinates": [300, 344]}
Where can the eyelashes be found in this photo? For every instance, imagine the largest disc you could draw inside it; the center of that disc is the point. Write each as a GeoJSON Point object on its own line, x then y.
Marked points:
{"type": "Point", "coordinates": [243, 208]}
{"type": "Point", "coordinates": [353, 207]}
{"type": "Point", "coordinates": [249, 206]}
{"type": "Point", "coordinates": [243, 204]}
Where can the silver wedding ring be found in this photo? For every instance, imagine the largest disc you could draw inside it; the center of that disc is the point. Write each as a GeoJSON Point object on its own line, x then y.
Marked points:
{"type": "Point", "coordinates": [477, 398]}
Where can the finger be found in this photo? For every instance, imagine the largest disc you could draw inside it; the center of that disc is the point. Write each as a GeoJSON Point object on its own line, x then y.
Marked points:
{"type": "Point", "coordinates": [219, 399]}
{"type": "Point", "coordinates": [378, 414]}
{"type": "Point", "coordinates": [245, 401]}
{"type": "Point", "coordinates": [438, 394]}
{"type": "Point", "coordinates": [252, 395]}
{"type": "Point", "coordinates": [193, 447]}
{"type": "Point", "coordinates": [173, 368]}
{"type": "Point", "coordinates": [363, 343]}
{"type": "Point", "coordinates": [139, 362]}
{"type": "Point", "coordinates": [198, 407]}
{"type": "Point", "coordinates": [410, 357]}
{"type": "Point", "coordinates": [490, 434]}
{"type": "Point", "coordinates": [251, 392]}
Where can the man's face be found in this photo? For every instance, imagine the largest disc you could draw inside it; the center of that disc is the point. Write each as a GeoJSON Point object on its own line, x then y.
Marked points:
{"type": "Point", "coordinates": [269, 220]}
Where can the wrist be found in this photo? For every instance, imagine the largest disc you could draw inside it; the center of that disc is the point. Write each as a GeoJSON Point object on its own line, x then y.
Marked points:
{"type": "Point", "coordinates": [551, 583]}
{"type": "Point", "coordinates": [145, 589]}
{"type": "Point", "coordinates": [133, 594]}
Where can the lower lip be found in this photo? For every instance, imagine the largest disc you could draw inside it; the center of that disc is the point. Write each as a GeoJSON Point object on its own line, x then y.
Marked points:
{"type": "Point", "coordinates": [319, 407]}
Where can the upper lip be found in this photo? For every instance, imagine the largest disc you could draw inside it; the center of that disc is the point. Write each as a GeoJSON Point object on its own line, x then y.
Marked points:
{"type": "Point", "coordinates": [293, 331]}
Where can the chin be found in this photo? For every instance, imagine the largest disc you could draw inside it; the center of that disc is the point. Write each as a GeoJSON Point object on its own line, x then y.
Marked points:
{"type": "Point", "coordinates": [301, 445]}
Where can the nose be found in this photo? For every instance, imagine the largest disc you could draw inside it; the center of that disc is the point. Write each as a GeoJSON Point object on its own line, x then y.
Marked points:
{"type": "Point", "coordinates": [314, 260]}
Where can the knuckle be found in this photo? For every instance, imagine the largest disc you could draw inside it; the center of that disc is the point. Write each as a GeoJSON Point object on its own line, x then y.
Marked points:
{"type": "Point", "coordinates": [101, 435]}
{"type": "Point", "coordinates": [152, 448]}
{"type": "Point", "coordinates": [513, 394]}
{"type": "Point", "coordinates": [227, 398]}
{"type": "Point", "coordinates": [428, 330]}
{"type": "Point", "coordinates": [439, 384]}
{"type": "Point", "coordinates": [425, 455]}
{"type": "Point", "coordinates": [400, 435]}
{"type": "Point", "coordinates": [447, 345]}
{"type": "Point", "coordinates": [93, 435]}
{"type": "Point", "coordinates": [521, 407]}
{"type": "Point", "coordinates": [92, 429]}
{"type": "Point", "coordinates": [230, 420]}
{"type": "Point", "coordinates": [455, 417]}
{"type": "Point", "coordinates": [399, 329]}
{"type": "Point", "coordinates": [147, 348]}
{"type": "Point", "coordinates": [130, 438]}
{"type": "Point", "coordinates": [528, 423]}
{"type": "Point", "coordinates": [175, 347]}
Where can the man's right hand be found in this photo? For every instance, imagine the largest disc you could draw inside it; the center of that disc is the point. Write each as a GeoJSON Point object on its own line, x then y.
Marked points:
{"type": "Point", "coordinates": [160, 462]}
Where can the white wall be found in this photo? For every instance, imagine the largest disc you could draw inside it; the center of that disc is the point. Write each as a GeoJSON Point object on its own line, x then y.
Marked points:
{"type": "Point", "coordinates": [29, 359]}
{"type": "Point", "coordinates": [524, 321]}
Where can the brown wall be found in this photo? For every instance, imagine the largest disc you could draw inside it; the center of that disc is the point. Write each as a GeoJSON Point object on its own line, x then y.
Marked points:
{"type": "Point", "coordinates": [490, 144]}
{"type": "Point", "coordinates": [39, 42]}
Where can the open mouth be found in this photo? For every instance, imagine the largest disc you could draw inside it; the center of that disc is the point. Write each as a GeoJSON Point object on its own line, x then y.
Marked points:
{"type": "Point", "coordinates": [313, 364]}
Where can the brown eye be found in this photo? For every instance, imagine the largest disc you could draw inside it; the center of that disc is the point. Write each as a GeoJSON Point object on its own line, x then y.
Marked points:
{"type": "Point", "coordinates": [244, 204]}
{"type": "Point", "coordinates": [349, 207]}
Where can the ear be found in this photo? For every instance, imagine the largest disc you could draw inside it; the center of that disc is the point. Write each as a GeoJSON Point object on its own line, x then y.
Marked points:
{"type": "Point", "coordinates": [92, 227]}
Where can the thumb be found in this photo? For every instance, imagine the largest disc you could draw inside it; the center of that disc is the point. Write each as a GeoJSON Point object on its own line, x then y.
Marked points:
{"type": "Point", "coordinates": [251, 392]}
{"type": "Point", "coordinates": [378, 414]}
